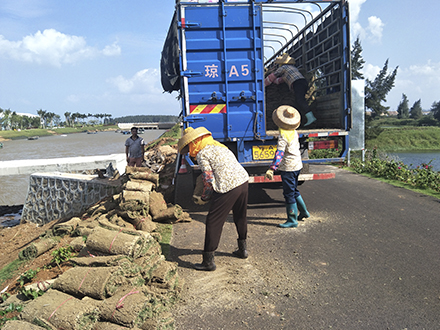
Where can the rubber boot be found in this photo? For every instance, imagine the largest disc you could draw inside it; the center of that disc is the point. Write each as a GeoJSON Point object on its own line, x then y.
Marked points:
{"type": "Point", "coordinates": [303, 213]}
{"type": "Point", "coordinates": [292, 215]}
{"type": "Point", "coordinates": [241, 252]}
{"type": "Point", "coordinates": [310, 118]}
{"type": "Point", "coordinates": [207, 263]}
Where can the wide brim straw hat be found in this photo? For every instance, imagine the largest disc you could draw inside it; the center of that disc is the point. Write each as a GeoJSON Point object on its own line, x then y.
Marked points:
{"type": "Point", "coordinates": [190, 134]}
{"type": "Point", "coordinates": [284, 59]}
{"type": "Point", "coordinates": [286, 117]}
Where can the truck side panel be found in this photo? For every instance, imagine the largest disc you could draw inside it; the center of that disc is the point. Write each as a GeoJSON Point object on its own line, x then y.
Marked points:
{"type": "Point", "coordinates": [223, 60]}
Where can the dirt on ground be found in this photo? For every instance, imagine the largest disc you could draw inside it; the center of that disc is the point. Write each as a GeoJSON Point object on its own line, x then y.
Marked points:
{"type": "Point", "coordinates": [14, 239]}
{"type": "Point", "coordinates": [240, 293]}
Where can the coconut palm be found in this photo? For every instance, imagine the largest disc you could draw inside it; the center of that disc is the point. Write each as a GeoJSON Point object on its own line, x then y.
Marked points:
{"type": "Point", "coordinates": [67, 115]}
{"type": "Point", "coordinates": [6, 119]}
{"type": "Point", "coordinates": [42, 114]}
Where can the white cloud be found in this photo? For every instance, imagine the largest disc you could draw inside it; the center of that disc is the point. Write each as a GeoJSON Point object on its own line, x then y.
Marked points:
{"type": "Point", "coordinates": [355, 9]}
{"type": "Point", "coordinates": [371, 71]}
{"type": "Point", "coordinates": [142, 91]}
{"type": "Point", "coordinates": [430, 70]}
{"type": "Point", "coordinates": [144, 81]}
{"type": "Point", "coordinates": [373, 31]}
{"type": "Point", "coordinates": [112, 50]}
{"type": "Point", "coordinates": [53, 48]}
{"type": "Point", "coordinates": [375, 27]}
{"type": "Point", "coordinates": [418, 81]}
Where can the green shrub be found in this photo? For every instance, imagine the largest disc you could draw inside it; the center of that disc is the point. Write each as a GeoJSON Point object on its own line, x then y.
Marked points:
{"type": "Point", "coordinates": [423, 176]}
{"type": "Point", "coordinates": [6, 314]}
{"type": "Point", "coordinates": [62, 254]}
{"type": "Point", "coordinates": [27, 276]}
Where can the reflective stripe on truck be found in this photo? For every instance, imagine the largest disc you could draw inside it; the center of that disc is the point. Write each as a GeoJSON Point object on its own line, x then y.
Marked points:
{"type": "Point", "coordinates": [302, 177]}
{"type": "Point", "coordinates": [207, 108]}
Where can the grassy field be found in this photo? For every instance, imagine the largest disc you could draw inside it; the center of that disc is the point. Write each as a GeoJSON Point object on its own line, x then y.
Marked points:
{"type": "Point", "coordinates": [406, 139]}
{"type": "Point", "coordinates": [24, 134]}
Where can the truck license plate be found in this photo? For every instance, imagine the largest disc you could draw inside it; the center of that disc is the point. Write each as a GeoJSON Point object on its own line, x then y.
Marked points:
{"type": "Point", "coordinates": [263, 152]}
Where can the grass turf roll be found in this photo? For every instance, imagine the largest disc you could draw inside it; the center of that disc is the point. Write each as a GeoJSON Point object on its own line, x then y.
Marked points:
{"type": "Point", "coordinates": [36, 249]}
{"type": "Point", "coordinates": [90, 281]}
{"type": "Point", "coordinates": [20, 325]}
{"type": "Point", "coordinates": [157, 203]}
{"type": "Point", "coordinates": [58, 310]}
{"type": "Point", "coordinates": [170, 215]}
{"type": "Point", "coordinates": [132, 307]}
{"type": "Point", "coordinates": [116, 242]}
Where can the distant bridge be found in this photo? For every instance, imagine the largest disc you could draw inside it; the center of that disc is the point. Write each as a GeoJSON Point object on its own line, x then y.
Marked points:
{"type": "Point", "coordinates": [161, 125]}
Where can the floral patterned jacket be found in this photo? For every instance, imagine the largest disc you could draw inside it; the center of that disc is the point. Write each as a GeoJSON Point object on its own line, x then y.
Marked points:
{"type": "Point", "coordinates": [221, 170]}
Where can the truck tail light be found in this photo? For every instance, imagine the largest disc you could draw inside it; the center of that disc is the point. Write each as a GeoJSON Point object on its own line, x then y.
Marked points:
{"type": "Point", "coordinates": [327, 144]}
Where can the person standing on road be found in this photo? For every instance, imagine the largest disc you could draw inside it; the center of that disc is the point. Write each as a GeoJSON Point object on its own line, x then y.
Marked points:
{"type": "Point", "coordinates": [289, 74]}
{"type": "Point", "coordinates": [288, 161]}
{"type": "Point", "coordinates": [134, 149]}
{"type": "Point", "coordinates": [225, 184]}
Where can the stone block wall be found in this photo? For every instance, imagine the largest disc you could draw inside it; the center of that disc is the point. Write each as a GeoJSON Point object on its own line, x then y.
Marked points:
{"type": "Point", "coordinates": [53, 196]}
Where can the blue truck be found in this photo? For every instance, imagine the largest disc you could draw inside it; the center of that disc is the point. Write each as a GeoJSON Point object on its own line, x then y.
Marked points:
{"type": "Point", "coordinates": [216, 55]}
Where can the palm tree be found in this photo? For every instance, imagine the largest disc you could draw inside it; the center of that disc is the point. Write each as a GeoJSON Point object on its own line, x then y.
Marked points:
{"type": "Point", "coordinates": [101, 115]}
{"type": "Point", "coordinates": [42, 114]}
{"type": "Point", "coordinates": [75, 116]}
{"type": "Point", "coordinates": [25, 121]}
{"type": "Point", "coordinates": [105, 117]}
{"type": "Point", "coordinates": [83, 116]}
{"type": "Point", "coordinates": [15, 120]}
{"type": "Point", "coordinates": [67, 115]}
{"type": "Point", "coordinates": [6, 118]}
{"type": "Point", "coordinates": [57, 120]}
{"type": "Point", "coordinates": [1, 119]}
{"type": "Point", "coordinates": [49, 117]}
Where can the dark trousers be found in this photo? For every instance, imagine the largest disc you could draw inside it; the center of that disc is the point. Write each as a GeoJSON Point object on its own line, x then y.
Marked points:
{"type": "Point", "coordinates": [235, 200]}
{"type": "Point", "coordinates": [290, 184]}
{"type": "Point", "coordinates": [300, 87]}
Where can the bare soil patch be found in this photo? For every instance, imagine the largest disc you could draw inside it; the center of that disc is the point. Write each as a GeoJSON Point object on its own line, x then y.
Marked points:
{"type": "Point", "coordinates": [15, 239]}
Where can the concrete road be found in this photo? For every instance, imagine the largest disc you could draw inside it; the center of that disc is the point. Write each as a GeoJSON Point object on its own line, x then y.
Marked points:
{"type": "Point", "coordinates": [368, 258]}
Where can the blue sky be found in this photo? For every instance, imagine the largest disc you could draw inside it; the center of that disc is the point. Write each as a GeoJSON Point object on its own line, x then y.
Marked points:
{"type": "Point", "coordinates": [103, 56]}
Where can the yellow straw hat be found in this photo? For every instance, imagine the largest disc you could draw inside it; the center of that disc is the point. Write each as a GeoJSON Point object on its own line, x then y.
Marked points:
{"type": "Point", "coordinates": [286, 117]}
{"type": "Point", "coordinates": [285, 59]}
{"type": "Point", "coordinates": [190, 134]}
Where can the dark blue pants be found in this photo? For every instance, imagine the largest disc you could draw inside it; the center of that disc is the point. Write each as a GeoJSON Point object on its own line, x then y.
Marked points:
{"type": "Point", "coordinates": [300, 88]}
{"type": "Point", "coordinates": [290, 184]}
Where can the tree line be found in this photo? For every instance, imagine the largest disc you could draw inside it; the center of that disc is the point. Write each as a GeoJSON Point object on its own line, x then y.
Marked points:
{"type": "Point", "coordinates": [146, 119]}
{"type": "Point", "coordinates": [10, 120]}
{"type": "Point", "coordinates": [377, 90]}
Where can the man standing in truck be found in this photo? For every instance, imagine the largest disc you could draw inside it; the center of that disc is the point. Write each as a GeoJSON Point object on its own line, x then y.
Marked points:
{"type": "Point", "coordinates": [288, 73]}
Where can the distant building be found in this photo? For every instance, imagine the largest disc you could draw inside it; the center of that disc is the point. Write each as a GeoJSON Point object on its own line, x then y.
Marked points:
{"type": "Point", "coordinates": [392, 113]}
{"type": "Point", "coordinates": [27, 115]}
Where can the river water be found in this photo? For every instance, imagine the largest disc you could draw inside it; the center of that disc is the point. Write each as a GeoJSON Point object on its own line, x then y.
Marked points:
{"type": "Point", "coordinates": [414, 159]}
{"type": "Point", "coordinates": [13, 189]}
